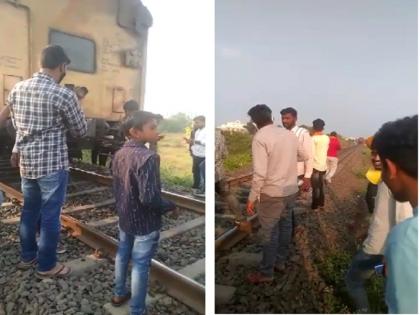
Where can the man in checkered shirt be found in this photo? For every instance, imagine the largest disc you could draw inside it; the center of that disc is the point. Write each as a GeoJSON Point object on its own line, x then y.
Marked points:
{"type": "Point", "coordinates": [42, 112]}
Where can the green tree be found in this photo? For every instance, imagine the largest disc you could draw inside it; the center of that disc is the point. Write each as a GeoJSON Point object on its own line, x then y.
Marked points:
{"type": "Point", "coordinates": [175, 123]}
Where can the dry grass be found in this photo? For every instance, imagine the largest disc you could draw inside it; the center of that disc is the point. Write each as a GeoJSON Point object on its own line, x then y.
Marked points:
{"type": "Point", "coordinates": [176, 162]}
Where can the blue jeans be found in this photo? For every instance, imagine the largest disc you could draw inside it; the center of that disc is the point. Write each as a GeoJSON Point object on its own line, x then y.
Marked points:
{"type": "Point", "coordinates": [141, 250]}
{"type": "Point", "coordinates": [1, 197]}
{"type": "Point", "coordinates": [361, 269]}
{"type": "Point", "coordinates": [202, 168]}
{"type": "Point", "coordinates": [42, 200]}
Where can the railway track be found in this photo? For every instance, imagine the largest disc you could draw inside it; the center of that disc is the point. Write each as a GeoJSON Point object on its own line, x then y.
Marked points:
{"type": "Point", "coordinates": [230, 244]}
{"type": "Point", "coordinates": [91, 225]}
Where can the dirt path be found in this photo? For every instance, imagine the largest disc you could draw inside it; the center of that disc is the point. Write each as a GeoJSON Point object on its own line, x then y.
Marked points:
{"type": "Point", "coordinates": [304, 287]}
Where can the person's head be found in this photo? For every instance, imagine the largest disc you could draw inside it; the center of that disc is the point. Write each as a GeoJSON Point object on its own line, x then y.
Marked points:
{"type": "Point", "coordinates": [54, 62]}
{"type": "Point", "coordinates": [288, 117]}
{"type": "Point", "coordinates": [333, 134]}
{"type": "Point", "coordinates": [396, 144]}
{"type": "Point", "coordinates": [199, 122]}
{"type": "Point", "coordinates": [261, 115]}
{"type": "Point", "coordinates": [130, 107]}
{"type": "Point", "coordinates": [318, 125]}
{"type": "Point", "coordinates": [141, 126]}
{"type": "Point", "coordinates": [374, 157]}
{"type": "Point", "coordinates": [81, 92]}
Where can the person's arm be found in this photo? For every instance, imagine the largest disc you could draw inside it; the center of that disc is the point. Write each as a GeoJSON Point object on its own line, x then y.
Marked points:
{"type": "Point", "coordinates": [307, 147]}
{"type": "Point", "coordinates": [338, 145]}
{"type": "Point", "coordinates": [259, 164]}
{"type": "Point", "coordinates": [74, 117]}
{"type": "Point", "coordinates": [149, 186]}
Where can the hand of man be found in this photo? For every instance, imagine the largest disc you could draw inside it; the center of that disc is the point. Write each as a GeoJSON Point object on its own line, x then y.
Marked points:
{"type": "Point", "coordinates": [14, 159]}
{"type": "Point", "coordinates": [250, 208]}
{"type": "Point", "coordinates": [306, 184]}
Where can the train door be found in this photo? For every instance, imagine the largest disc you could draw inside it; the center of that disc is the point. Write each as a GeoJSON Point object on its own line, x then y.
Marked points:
{"type": "Point", "coordinates": [14, 47]}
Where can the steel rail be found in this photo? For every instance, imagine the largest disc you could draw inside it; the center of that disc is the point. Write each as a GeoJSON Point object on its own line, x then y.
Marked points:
{"type": "Point", "coordinates": [236, 181]}
{"type": "Point", "coordinates": [177, 285]}
{"type": "Point", "coordinates": [180, 200]}
{"type": "Point", "coordinates": [231, 237]}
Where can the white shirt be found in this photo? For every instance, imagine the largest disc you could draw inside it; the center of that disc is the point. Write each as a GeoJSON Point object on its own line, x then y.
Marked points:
{"type": "Point", "coordinates": [199, 150]}
{"type": "Point", "coordinates": [386, 214]}
{"type": "Point", "coordinates": [305, 141]}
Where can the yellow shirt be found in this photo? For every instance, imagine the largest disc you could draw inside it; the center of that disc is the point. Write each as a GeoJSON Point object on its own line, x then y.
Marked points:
{"type": "Point", "coordinates": [319, 150]}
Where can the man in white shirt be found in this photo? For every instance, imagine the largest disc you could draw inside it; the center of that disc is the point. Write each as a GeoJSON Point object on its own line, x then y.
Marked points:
{"type": "Point", "coordinates": [274, 186]}
{"type": "Point", "coordinates": [304, 173]}
{"type": "Point", "coordinates": [198, 150]}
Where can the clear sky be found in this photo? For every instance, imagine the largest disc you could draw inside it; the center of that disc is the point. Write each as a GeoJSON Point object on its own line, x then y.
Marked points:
{"type": "Point", "coordinates": [351, 63]}
{"type": "Point", "coordinates": [180, 57]}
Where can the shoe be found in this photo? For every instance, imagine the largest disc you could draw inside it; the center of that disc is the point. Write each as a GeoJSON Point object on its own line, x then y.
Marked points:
{"type": "Point", "coordinates": [199, 193]}
{"type": "Point", "coordinates": [120, 300]}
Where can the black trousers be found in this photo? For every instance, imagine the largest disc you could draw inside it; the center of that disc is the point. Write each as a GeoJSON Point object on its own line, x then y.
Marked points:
{"type": "Point", "coordinates": [196, 171]}
{"type": "Point", "coordinates": [318, 194]}
{"type": "Point", "coordinates": [371, 192]}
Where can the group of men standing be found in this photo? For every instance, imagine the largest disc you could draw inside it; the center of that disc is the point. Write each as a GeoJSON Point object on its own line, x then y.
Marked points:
{"type": "Point", "coordinates": [285, 158]}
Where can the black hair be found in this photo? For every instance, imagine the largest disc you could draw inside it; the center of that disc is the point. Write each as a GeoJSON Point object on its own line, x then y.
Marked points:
{"type": "Point", "coordinates": [261, 115]}
{"type": "Point", "coordinates": [52, 56]}
{"type": "Point", "coordinates": [289, 110]}
{"type": "Point", "coordinates": [201, 118]}
{"type": "Point", "coordinates": [137, 120]}
{"type": "Point", "coordinates": [318, 124]}
{"type": "Point", "coordinates": [397, 142]}
{"type": "Point", "coordinates": [131, 105]}
{"type": "Point", "coordinates": [334, 134]}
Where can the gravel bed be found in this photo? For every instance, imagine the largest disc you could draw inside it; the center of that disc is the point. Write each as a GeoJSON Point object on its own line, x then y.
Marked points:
{"type": "Point", "coordinates": [22, 293]}
{"type": "Point", "coordinates": [10, 212]}
{"type": "Point", "coordinates": [167, 223]}
{"type": "Point", "coordinates": [222, 225]}
{"type": "Point", "coordinates": [80, 187]}
{"type": "Point", "coordinates": [182, 250]}
{"type": "Point", "coordinates": [94, 214]}
{"type": "Point", "coordinates": [89, 199]}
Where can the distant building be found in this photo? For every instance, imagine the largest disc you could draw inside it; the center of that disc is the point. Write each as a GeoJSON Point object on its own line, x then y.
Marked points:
{"type": "Point", "coordinates": [233, 126]}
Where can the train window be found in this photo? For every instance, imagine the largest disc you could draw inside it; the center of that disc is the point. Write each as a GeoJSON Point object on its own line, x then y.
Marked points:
{"type": "Point", "coordinates": [81, 51]}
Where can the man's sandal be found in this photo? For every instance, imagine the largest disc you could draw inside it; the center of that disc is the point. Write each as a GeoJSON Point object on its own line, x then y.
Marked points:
{"type": "Point", "coordinates": [22, 265]}
{"type": "Point", "coordinates": [59, 271]}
